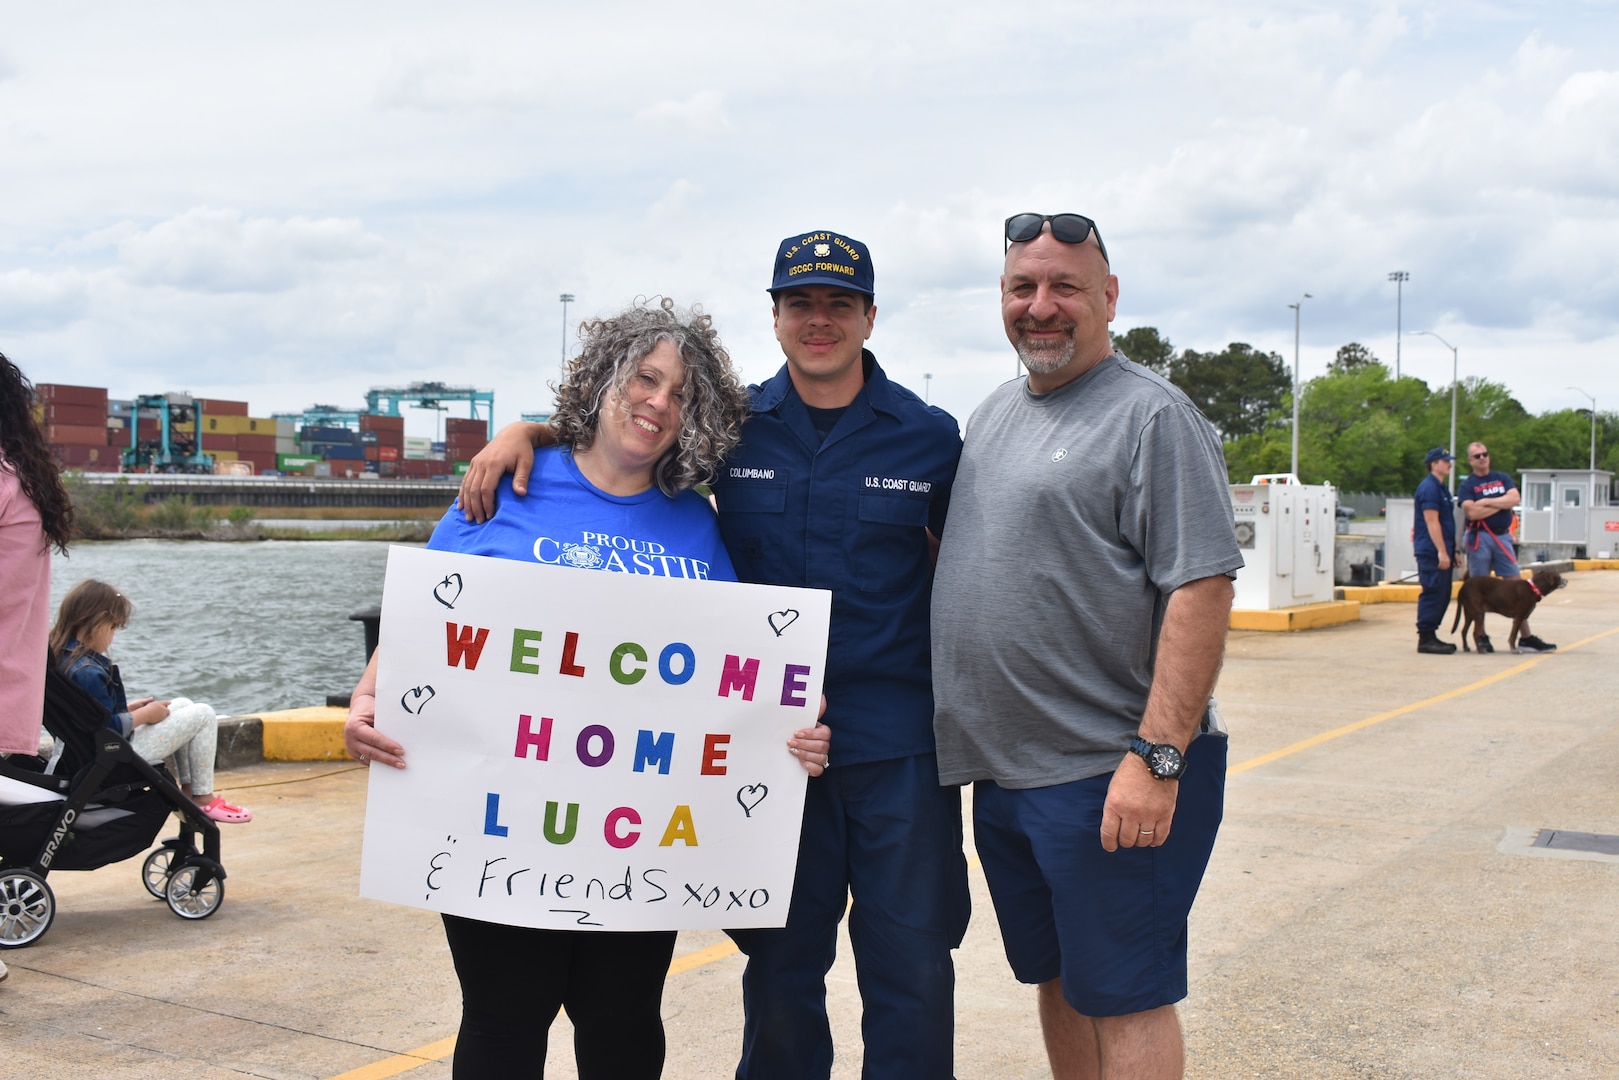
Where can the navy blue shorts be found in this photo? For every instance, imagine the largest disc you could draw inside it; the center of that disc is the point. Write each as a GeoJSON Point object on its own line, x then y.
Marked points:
{"type": "Point", "coordinates": [1112, 925]}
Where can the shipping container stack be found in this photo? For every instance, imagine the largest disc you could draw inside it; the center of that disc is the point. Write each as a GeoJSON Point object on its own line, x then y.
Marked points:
{"type": "Point", "coordinates": [463, 439]}
{"type": "Point", "coordinates": [286, 442]}
{"type": "Point", "coordinates": [74, 419]}
{"type": "Point", "coordinates": [383, 439]}
{"type": "Point", "coordinates": [230, 435]}
{"type": "Point", "coordinates": [120, 418]}
{"type": "Point", "coordinates": [338, 449]}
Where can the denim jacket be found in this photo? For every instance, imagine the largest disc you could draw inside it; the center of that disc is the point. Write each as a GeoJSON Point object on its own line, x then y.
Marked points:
{"type": "Point", "coordinates": [95, 673]}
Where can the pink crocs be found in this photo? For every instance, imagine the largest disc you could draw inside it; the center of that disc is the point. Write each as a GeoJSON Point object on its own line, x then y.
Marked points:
{"type": "Point", "coordinates": [220, 810]}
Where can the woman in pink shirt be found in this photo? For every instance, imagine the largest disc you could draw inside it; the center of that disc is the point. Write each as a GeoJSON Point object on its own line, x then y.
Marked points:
{"type": "Point", "coordinates": [34, 514]}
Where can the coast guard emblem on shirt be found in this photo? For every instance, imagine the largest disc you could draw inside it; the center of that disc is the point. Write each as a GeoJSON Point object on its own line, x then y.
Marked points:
{"type": "Point", "coordinates": [822, 250]}
{"type": "Point", "coordinates": [582, 556]}
{"type": "Point", "coordinates": [1060, 454]}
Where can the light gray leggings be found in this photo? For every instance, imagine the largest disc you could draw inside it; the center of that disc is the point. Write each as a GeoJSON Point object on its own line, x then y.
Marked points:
{"type": "Point", "coordinates": [190, 733]}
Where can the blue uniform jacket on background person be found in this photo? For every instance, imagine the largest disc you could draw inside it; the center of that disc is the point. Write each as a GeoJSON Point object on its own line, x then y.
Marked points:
{"type": "Point", "coordinates": [848, 515]}
{"type": "Point", "coordinates": [1433, 495]}
{"type": "Point", "coordinates": [98, 675]}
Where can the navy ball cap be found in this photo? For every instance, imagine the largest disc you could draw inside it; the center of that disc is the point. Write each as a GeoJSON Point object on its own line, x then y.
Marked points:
{"type": "Point", "coordinates": [822, 258]}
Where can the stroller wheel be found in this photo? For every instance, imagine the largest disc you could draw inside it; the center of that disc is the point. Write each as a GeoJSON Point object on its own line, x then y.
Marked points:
{"type": "Point", "coordinates": [155, 871]}
{"type": "Point", "coordinates": [27, 907]}
{"type": "Point", "coordinates": [188, 899]}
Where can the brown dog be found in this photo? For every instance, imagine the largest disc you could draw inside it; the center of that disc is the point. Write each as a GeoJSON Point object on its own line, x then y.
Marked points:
{"type": "Point", "coordinates": [1513, 597]}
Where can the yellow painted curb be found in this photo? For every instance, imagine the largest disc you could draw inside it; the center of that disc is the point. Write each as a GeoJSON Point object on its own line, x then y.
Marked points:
{"type": "Point", "coordinates": [1390, 594]}
{"type": "Point", "coordinates": [1304, 617]}
{"type": "Point", "coordinates": [313, 734]}
{"type": "Point", "coordinates": [1596, 564]}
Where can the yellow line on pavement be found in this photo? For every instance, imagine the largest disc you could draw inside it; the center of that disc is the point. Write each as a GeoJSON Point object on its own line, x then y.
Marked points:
{"type": "Point", "coordinates": [1358, 725]}
{"type": "Point", "coordinates": [400, 1063]}
{"type": "Point", "coordinates": [702, 956]}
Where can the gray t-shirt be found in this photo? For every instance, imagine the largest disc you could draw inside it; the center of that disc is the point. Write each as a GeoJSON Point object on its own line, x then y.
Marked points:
{"type": "Point", "coordinates": [1075, 514]}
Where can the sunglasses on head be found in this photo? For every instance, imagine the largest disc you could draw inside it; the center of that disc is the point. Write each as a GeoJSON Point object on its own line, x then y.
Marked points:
{"type": "Point", "coordinates": [1068, 228]}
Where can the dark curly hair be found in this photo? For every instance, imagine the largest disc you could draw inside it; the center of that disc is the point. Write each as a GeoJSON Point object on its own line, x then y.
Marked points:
{"type": "Point", "coordinates": [23, 451]}
{"type": "Point", "coordinates": [713, 403]}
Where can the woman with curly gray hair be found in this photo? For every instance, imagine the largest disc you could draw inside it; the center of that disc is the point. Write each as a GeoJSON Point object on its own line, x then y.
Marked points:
{"type": "Point", "coordinates": [712, 401]}
{"type": "Point", "coordinates": [646, 411]}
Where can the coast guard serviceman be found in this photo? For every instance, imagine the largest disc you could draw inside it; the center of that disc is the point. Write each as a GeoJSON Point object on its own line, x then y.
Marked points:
{"type": "Point", "coordinates": [839, 478]}
{"type": "Point", "coordinates": [841, 482]}
{"type": "Point", "coordinates": [1433, 539]}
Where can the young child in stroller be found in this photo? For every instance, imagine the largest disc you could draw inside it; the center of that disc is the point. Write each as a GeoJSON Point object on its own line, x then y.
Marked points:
{"type": "Point", "coordinates": [91, 613]}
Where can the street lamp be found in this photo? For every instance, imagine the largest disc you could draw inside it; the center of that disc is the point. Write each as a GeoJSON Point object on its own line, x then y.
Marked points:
{"type": "Point", "coordinates": [1399, 277]}
{"type": "Point", "coordinates": [1455, 367]}
{"type": "Point", "coordinates": [1295, 307]}
{"type": "Point", "coordinates": [566, 298]}
{"type": "Point", "coordinates": [1582, 393]}
{"type": "Point", "coordinates": [927, 387]}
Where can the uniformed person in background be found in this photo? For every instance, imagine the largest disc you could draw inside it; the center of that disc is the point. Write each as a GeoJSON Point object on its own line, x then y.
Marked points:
{"type": "Point", "coordinates": [841, 482]}
{"type": "Point", "coordinates": [1433, 540]}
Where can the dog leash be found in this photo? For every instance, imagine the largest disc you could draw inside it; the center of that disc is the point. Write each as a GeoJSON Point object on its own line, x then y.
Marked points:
{"type": "Point", "coordinates": [1480, 526]}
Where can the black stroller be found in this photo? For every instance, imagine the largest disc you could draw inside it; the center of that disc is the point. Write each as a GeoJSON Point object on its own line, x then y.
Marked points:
{"type": "Point", "coordinates": [103, 803]}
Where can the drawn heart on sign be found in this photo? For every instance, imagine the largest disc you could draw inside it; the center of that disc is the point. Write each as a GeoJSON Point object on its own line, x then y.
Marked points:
{"type": "Point", "coordinates": [751, 796]}
{"type": "Point", "coordinates": [448, 591]}
{"type": "Point", "coordinates": [781, 620]}
{"type": "Point", "coordinates": [415, 699]}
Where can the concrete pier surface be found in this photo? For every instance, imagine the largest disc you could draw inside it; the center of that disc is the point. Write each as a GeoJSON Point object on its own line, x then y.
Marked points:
{"type": "Point", "coordinates": [1376, 906]}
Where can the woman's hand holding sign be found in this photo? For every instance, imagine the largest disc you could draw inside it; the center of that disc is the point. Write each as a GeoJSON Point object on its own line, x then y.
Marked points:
{"type": "Point", "coordinates": [360, 735]}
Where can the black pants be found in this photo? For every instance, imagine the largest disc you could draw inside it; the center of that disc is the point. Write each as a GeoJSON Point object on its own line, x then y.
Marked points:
{"type": "Point", "coordinates": [513, 980]}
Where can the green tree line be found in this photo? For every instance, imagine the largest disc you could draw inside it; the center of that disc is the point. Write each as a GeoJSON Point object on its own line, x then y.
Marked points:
{"type": "Point", "coordinates": [1360, 428]}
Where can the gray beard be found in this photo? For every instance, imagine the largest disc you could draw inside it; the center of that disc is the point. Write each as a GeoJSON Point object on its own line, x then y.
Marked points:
{"type": "Point", "coordinates": [1045, 359]}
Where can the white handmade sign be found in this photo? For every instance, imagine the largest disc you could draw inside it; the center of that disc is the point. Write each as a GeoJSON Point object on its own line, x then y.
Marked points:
{"type": "Point", "coordinates": [590, 750]}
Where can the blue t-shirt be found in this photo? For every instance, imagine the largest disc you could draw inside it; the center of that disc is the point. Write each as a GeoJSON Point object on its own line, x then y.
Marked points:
{"type": "Point", "coordinates": [1491, 486]}
{"type": "Point", "coordinates": [565, 520]}
{"type": "Point", "coordinates": [1433, 495]}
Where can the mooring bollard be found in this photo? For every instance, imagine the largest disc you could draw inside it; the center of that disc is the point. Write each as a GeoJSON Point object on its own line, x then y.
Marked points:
{"type": "Point", "coordinates": [371, 619]}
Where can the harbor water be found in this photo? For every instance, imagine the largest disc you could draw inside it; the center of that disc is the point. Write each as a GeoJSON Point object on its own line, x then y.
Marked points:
{"type": "Point", "coordinates": [246, 627]}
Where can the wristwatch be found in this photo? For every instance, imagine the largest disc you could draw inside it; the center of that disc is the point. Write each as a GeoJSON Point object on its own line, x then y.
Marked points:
{"type": "Point", "coordinates": [1163, 760]}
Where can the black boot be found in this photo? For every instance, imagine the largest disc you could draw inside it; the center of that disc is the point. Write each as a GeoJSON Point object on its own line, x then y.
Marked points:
{"type": "Point", "coordinates": [1428, 642]}
{"type": "Point", "coordinates": [1484, 644]}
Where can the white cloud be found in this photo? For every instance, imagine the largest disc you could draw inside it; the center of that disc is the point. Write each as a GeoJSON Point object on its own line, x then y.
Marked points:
{"type": "Point", "coordinates": [218, 250]}
{"type": "Point", "coordinates": [674, 201]}
{"type": "Point", "coordinates": [32, 301]}
{"type": "Point", "coordinates": [459, 83]}
{"type": "Point", "coordinates": [703, 115]}
{"type": "Point", "coordinates": [325, 201]}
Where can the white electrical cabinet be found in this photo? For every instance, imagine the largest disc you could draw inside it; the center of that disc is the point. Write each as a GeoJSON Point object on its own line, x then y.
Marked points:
{"type": "Point", "coordinates": [1285, 530]}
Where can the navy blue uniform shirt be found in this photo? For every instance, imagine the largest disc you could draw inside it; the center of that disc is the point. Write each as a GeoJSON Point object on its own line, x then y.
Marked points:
{"type": "Point", "coordinates": [848, 515]}
{"type": "Point", "coordinates": [1433, 495]}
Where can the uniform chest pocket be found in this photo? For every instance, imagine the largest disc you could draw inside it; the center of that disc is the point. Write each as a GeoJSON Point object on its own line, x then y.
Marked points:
{"type": "Point", "coordinates": [752, 521]}
{"type": "Point", "coordinates": [889, 550]}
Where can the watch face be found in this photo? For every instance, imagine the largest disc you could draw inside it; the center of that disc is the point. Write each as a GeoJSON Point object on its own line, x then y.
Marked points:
{"type": "Point", "coordinates": [1165, 761]}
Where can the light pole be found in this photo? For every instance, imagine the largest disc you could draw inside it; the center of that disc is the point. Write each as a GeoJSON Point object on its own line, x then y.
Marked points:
{"type": "Point", "coordinates": [1582, 393]}
{"type": "Point", "coordinates": [1455, 368]}
{"type": "Point", "coordinates": [1399, 277]}
{"type": "Point", "coordinates": [566, 298]}
{"type": "Point", "coordinates": [1295, 307]}
{"type": "Point", "coordinates": [927, 388]}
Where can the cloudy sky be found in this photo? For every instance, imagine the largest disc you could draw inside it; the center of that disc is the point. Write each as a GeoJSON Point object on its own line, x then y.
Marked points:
{"type": "Point", "coordinates": [292, 203]}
